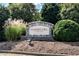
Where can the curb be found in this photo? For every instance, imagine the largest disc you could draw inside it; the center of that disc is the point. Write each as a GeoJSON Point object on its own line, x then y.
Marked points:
{"type": "Point", "coordinates": [31, 53]}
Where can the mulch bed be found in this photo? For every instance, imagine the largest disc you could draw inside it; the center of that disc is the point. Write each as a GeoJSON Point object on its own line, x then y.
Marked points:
{"type": "Point", "coordinates": [68, 48]}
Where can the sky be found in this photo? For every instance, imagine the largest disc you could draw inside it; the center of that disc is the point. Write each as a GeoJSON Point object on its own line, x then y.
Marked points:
{"type": "Point", "coordinates": [38, 6]}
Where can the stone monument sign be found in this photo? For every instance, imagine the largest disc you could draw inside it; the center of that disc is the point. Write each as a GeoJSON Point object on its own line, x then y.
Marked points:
{"type": "Point", "coordinates": [39, 30]}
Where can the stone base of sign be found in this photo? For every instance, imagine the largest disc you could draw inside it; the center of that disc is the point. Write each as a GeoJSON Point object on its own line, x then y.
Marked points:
{"type": "Point", "coordinates": [37, 38]}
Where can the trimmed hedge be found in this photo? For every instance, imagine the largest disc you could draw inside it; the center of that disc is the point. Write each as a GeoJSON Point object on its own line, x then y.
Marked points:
{"type": "Point", "coordinates": [66, 30]}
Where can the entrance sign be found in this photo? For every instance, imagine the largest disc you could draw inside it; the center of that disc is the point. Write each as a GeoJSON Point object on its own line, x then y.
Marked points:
{"type": "Point", "coordinates": [39, 30]}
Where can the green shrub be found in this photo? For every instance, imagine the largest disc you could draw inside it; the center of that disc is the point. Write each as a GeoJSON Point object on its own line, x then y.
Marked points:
{"type": "Point", "coordinates": [14, 29]}
{"type": "Point", "coordinates": [66, 30]}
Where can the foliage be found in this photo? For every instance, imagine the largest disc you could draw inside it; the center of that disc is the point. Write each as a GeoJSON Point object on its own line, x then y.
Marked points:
{"type": "Point", "coordinates": [14, 29]}
{"type": "Point", "coordinates": [66, 30]}
{"type": "Point", "coordinates": [25, 11]}
{"type": "Point", "coordinates": [4, 15]}
{"type": "Point", "coordinates": [70, 11]}
{"type": "Point", "coordinates": [50, 12]}
{"type": "Point", "coordinates": [37, 16]}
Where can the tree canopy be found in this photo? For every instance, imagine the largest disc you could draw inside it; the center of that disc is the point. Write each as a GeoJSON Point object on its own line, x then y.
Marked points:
{"type": "Point", "coordinates": [70, 11]}
{"type": "Point", "coordinates": [24, 11]}
{"type": "Point", "coordinates": [50, 12]}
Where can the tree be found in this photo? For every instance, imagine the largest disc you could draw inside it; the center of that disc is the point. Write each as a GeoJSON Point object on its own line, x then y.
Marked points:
{"type": "Point", "coordinates": [70, 11]}
{"type": "Point", "coordinates": [4, 15]}
{"type": "Point", "coordinates": [37, 16]}
{"type": "Point", "coordinates": [24, 11]}
{"type": "Point", "coordinates": [50, 12]}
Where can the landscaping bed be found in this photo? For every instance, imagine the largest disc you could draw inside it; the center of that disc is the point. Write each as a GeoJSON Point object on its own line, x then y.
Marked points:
{"type": "Point", "coordinates": [68, 48]}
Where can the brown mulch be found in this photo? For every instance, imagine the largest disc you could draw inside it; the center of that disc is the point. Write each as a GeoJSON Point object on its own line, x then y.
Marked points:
{"type": "Point", "coordinates": [69, 48]}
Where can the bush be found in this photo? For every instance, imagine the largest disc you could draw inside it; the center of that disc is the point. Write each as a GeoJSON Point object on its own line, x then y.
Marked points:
{"type": "Point", "coordinates": [14, 29]}
{"type": "Point", "coordinates": [66, 30]}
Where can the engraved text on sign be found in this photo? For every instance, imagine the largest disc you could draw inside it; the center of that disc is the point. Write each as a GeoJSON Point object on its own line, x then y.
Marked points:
{"type": "Point", "coordinates": [39, 30]}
